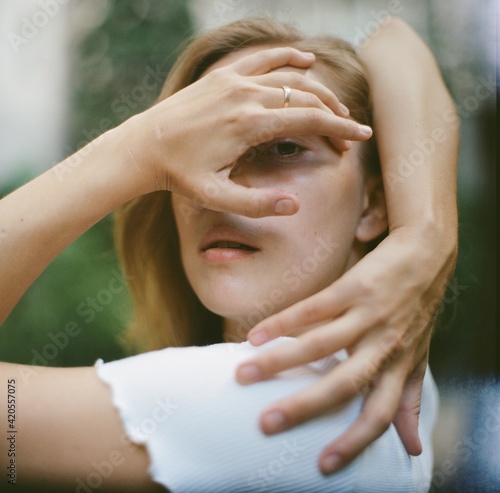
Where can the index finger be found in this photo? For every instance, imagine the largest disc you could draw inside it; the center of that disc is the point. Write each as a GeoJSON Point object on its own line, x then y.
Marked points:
{"type": "Point", "coordinates": [266, 60]}
{"type": "Point", "coordinates": [326, 304]}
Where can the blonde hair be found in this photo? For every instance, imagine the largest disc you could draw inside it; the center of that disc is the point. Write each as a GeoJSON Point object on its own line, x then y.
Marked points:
{"type": "Point", "coordinates": [166, 311]}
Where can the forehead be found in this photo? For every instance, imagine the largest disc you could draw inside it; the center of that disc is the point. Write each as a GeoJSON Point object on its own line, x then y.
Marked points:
{"type": "Point", "coordinates": [312, 73]}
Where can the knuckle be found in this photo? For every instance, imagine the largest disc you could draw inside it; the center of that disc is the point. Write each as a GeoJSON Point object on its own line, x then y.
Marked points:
{"type": "Point", "coordinates": [298, 408]}
{"type": "Point", "coordinates": [317, 347]}
{"type": "Point", "coordinates": [366, 286]}
{"type": "Point", "coordinates": [244, 118]}
{"type": "Point", "coordinates": [256, 206]}
{"type": "Point", "coordinates": [265, 56]}
{"type": "Point", "coordinates": [379, 314]}
{"type": "Point", "coordinates": [350, 127]}
{"type": "Point", "coordinates": [294, 79]}
{"type": "Point", "coordinates": [270, 363]}
{"type": "Point", "coordinates": [237, 90]}
{"type": "Point", "coordinates": [312, 100]}
{"type": "Point", "coordinates": [309, 312]}
{"type": "Point", "coordinates": [379, 419]}
{"type": "Point", "coordinates": [316, 117]}
{"type": "Point", "coordinates": [348, 387]}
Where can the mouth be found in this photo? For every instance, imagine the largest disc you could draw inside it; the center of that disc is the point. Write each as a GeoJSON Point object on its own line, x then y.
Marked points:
{"type": "Point", "coordinates": [230, 244]}
{"type": "Point", "coordinates": [224, 243]}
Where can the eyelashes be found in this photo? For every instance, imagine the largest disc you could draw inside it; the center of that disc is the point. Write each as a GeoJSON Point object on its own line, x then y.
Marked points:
{"type": "Point", "coordinates": [285, 149]}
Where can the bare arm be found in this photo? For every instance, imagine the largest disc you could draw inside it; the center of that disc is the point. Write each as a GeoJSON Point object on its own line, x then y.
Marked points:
{"type": "Point", "coordinates": [383, 308]}
{"type": "Point", "coordinates": [65, 432]}
{"type": "Point", "coordinates": [417, 134]}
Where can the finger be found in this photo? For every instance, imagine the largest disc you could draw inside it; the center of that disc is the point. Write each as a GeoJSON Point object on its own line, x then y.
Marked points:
{"type": "Point", "coordinates": [333, 390]}
{"type": "Point", "coordinates": [274, 99]}
{"type": "Point", "coordinates": [378, 412]}
{"type": "Point", "coordinates": [311, 346]}
{"type": "Point", "coordinates": [227, 196]}
{"type": "Point", "coordinates": [313, 121]}
{"type": "Point", "coordinates": [406, 419]}
{"type": "Point", "coordinates": [304, 83]}
{"type": "Point", "coordinates": [266, 60]}
{"type": "Point", "coordinates": [325, 305]}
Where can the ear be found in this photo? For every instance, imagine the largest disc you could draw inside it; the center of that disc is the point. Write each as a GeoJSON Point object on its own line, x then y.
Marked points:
{"type": "Point", "coordinates": [373, 221]}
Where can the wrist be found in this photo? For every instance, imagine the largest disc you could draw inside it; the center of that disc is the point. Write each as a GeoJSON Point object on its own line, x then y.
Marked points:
{"type": "Point", "coordinates": [438, 238]}
{"type": "Point", "coordinates": [132, 157]}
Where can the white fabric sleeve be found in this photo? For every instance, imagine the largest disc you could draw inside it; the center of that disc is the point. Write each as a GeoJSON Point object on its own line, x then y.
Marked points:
{"type": "Point", "coordinates": [200, 427]}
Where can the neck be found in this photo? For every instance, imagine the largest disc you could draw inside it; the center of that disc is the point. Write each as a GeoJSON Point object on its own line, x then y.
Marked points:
{"type": "Point", "coordinates": [236, 329]}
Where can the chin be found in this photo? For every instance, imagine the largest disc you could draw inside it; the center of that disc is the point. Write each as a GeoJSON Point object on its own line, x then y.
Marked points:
{"type": "Point", "coordinates": [241, 303]}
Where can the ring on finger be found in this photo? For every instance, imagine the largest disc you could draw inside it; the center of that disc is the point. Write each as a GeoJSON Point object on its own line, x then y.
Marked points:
{"type": "Point", "coordinates": [288, 94]}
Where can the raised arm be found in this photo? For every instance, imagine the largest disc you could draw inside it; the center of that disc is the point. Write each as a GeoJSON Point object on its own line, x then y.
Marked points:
{"type": "Point", "coordinates": [154, 151]}
{"type": "Point", "coordinates": [417, 136]}
{"type": "Point", "coordinates": [383, 309]}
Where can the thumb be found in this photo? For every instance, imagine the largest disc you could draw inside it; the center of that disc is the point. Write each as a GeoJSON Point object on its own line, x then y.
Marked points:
{"type": "Point", "coordinates": [252, 202]}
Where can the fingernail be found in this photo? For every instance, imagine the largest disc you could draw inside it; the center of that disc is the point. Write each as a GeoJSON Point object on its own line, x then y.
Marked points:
{"type": "Point", "coordinates": [284, 206]}
{"type": "Point", "coordinates": [309, 55]}
{"type": "Point", "coordinates": [258, 338]}
{"type": "Point", "coordinates": [365, 129]}
{"type": "Point", "coordinates": [273, 421]}
{"type": "Point", "coordinates": [344, 109]}
{"type": "Point", "coordinates": [248, 373]}
{"type": "Point", "coordinates": [348, 144]}
{"type": "Point", "coordinates": [330, 464]}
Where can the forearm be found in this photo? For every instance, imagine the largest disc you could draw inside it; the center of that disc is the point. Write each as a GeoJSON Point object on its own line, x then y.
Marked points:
{"type": "Point", "coordinates": [416, 130]}
{"type": "Point", "coordinates": [47, 214]}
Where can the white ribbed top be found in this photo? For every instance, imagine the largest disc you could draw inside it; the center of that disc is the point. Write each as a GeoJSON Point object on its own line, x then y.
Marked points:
{"type": "Point", "coordinates": [200, 427]}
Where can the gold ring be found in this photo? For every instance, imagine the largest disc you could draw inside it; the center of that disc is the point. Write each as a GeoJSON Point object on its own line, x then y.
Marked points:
{"type": "Point", "coordinates": [288, 95]}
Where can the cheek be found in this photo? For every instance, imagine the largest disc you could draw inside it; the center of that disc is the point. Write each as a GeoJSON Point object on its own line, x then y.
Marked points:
{"type": "Point", "coordinates": [329, 215]}
{"type": "Point", "coordinates": [184, 211]}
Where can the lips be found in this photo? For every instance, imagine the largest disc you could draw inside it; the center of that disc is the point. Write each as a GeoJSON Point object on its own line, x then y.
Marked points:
{"type": "Point", "coordinates": [224, 243]}
{"type": "Point", "coordinates": [230, 244]}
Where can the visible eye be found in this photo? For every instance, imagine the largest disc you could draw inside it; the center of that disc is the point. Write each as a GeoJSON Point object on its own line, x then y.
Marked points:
{"type": "Point", "coordinates": [284, 148]}
{"type": "Point", "coordinates": [287, 149]}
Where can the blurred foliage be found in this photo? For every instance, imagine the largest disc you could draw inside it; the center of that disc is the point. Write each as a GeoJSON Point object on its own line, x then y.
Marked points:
{"type": "Point", "coordinates": [75, 311]}
{"type": "Point", "coordinates": [121, 64]}
{"type": "Point", "coordinates": [71, 315]}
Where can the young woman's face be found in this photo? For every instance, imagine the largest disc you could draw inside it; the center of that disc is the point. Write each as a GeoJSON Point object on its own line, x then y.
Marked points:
{"type": "Point", "coordinates": [245, 269]}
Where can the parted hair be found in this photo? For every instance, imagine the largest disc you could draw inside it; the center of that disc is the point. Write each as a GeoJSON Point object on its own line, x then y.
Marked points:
{"type": "Point", "coordinates": [165, 310]}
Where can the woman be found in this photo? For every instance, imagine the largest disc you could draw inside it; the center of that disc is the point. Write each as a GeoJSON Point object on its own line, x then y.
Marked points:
{"type": "Point", "coordinates": [134, 181]}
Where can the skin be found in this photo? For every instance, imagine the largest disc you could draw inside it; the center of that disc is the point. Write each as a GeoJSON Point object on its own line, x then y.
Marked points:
{"type": "Point", "coordinates": [384, 328]}
{"type": "Point", "coordinates": [146, 154]}
{"type": "Point", "coordinates": [337, 209]}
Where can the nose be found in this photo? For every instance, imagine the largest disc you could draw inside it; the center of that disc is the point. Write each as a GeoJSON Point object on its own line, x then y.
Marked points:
{"type": "Point", "coordinates": [249, 171]}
